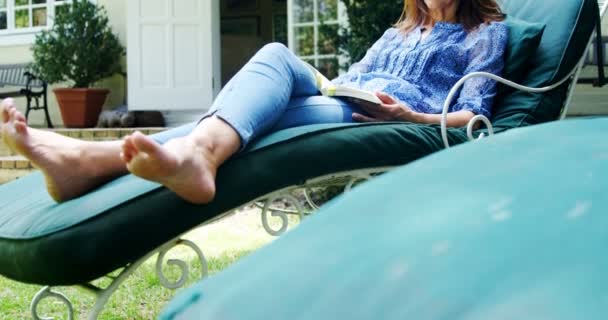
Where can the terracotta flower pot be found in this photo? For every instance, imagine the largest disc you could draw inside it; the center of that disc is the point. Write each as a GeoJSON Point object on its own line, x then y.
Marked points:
{"type": "Point", "coordinates": [80, 108]}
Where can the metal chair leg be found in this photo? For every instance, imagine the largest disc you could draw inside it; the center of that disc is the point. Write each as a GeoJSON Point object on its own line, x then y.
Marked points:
{"type": "Point", "coordinates": [28, 108]}
{"type": "Point", "coordinates": [46, 112]}
{"type": "Point", "coordinates": [599, 50]}
{"type": "Point", "coordinates": [45, 105]}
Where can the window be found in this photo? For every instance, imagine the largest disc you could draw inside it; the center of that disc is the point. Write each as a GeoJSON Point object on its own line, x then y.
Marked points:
{"type": "Point", "coordinates": [22, 17]}
{"type": "Point", "coordinates": [3, 15]}
{"type": "Point", "coordinates": [313, 29]}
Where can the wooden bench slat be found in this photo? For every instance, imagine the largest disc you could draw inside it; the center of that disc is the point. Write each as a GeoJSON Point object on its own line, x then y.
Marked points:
{"type": "Point", "coordinates": [16, 75]}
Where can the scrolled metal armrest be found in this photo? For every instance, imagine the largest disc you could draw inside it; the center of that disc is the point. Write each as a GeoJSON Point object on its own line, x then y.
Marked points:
{"type": "Point", "coordinates": [471, 125]}
{"type": "Point", "coordinates": [485, 120]}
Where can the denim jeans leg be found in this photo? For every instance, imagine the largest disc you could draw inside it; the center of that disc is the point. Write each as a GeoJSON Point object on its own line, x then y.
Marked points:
{"type": "Point", "coordinates": [315, 110]}
{"type": "Point", "coordinates": [176, 132]}
{"type": "Point", "coordinates": [257, 96]}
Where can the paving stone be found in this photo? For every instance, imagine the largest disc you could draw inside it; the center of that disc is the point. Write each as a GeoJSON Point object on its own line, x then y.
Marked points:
{"type": "Point", "coordinates": [88, 135]}
{"type": "Point", "coordinates": [22, 164]}
{"type": "Point", "coordinates": [8, 164]}
{"type": "Point", "coordinates": [125, 132]}
{"type": "Point", "coordinates": [101, 134]}
{"type": "Point", "coordinates": [113, 134]}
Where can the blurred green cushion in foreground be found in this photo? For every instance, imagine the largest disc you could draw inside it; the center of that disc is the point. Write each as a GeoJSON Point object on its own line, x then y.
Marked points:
{"type": "Point", "coordinates": [512, 227]}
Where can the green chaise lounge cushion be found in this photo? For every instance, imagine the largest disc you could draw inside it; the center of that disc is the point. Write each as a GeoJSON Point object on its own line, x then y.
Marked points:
{"type": "Point", "coordinates": [83, 239]}
{"type": "Point", "coordinates": [524, 38]}
{"type": "Point", "coordinates": [566, 25]}
{"type": "Point", "coordinates": [513, 227]}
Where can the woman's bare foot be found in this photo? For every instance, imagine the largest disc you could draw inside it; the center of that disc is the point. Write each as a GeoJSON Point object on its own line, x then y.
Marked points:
{"type": "Point", "coordinates": [181, 164]}
{"type": "Point", "coordinates": [66, 163]}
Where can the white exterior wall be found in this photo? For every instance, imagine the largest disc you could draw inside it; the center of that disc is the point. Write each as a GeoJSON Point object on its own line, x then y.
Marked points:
{"type": "Point", "coordinates": [21, 53]}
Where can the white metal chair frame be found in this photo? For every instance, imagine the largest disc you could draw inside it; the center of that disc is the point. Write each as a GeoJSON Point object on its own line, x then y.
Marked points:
{"type": "Point", "coordinates": [347, 179]}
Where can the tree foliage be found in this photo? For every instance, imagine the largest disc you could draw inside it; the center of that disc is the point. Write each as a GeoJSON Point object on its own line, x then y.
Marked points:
{"type": "Point", "coordinates": [80, 47]}
{"type": "Point", "coordinates": [367, 22]}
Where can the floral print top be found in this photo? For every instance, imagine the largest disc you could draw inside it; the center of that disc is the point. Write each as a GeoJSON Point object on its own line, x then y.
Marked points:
{"type": "Point", "coordinates": [420, 72]}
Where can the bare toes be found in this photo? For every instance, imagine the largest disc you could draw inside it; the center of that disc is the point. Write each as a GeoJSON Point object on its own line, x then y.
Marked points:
{"type": "Point", "coordinates": [128, 141]}
{"type": "Point", "coordinates": [128, 152]}
{"type": "Point", "coordinates": [128, 148]}
{"type": "Point", "coordinates": [4, 107]}
{"type": "Point", "coordinates": [126, 158]}
{"type": "Point", "coordinates": [13, 114]}
{"type": "Point", "coordinates": [21, 127]}
{"type": "Point", "coordinates": [20, 117]}
{"type": "Point", "coordinates": [5, 115]}
{"type": "Point", "coordinates": [145, 144]}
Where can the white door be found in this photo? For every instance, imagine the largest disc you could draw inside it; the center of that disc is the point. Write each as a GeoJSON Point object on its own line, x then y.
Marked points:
{"type": "Point", "coordinates": [172, 54]}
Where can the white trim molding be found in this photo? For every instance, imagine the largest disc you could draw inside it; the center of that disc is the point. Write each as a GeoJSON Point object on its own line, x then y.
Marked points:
{"type": "Point", "coordinates": [313, 21]}
{"type": "Point", "coordinates": [18, 38]}
{"type": "Point", "coordinates": [26, 36]}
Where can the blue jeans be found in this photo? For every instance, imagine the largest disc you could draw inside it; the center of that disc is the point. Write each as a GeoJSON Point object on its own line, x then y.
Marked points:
{"type": "Point", "coordinates": [275, 90]}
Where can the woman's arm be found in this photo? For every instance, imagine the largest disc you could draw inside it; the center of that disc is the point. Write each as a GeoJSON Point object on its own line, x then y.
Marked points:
{"type": "Point", "coordinates": [487, 55]}
{"type": "Point", "coordinates": [476, 96]}
{"type": "Point", "coordinates": [392, 110]}
{"type": "Point", "coordinates": [455, 119]}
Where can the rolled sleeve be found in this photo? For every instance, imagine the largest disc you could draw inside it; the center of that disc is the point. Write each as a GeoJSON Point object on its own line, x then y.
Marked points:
{"type": "Point", "coordinates": [477, 94]}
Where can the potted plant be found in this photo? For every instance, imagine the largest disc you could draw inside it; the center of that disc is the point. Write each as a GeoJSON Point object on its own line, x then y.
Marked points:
{"type": "Point", "coordinates": [79, 49]}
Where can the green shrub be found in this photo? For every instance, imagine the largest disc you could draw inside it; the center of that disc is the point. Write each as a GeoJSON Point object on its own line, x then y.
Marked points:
{"type": "Point", "coordinates": [368, 20]}
{"type": "Point", "coordinates": [79, 48]}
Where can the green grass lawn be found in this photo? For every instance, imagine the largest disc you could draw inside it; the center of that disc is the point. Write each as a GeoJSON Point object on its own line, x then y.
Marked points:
{"type": "Point", "coordinates": [142, 296]}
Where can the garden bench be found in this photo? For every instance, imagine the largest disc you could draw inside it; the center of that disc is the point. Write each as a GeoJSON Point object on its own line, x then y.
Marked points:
{"type": "Point", "coordinates": [27, 84]}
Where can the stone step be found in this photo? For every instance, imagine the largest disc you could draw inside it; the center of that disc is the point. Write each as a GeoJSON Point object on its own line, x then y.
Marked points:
{"type": "Point", "coordinates": [96, 134]}
{"type": "Point", "coordinates": [14, 162]}
{"type": "Point", "coordinates": [13, 167]}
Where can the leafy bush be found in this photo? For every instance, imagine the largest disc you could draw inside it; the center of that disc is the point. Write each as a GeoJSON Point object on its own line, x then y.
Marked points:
{"type": "Point", "coordinates": [79, 48]}
{"type": "Point", "coordinates": [368, 20]}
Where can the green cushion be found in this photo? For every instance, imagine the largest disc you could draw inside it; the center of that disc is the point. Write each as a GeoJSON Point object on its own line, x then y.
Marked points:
{"type": "Point", "coordinates": [524, 38]}
{"type": "Point", "coordinates": [568, 27]}
{"type": "Point", "coordinates": [513, 227]}
{"type": "Point", "coordinates": [83, 239]}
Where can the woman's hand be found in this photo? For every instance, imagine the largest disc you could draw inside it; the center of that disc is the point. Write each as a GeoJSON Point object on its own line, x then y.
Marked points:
{"type": "Point", "coordinates": [389, 110]}
{"type": "Point", "coordinates": [392, 110]}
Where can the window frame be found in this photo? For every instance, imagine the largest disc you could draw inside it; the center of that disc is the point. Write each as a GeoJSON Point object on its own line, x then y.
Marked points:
{"type": "Point", "coordinates": [13, 36]}
{"type": "Point", "coordinates": [316, 23]}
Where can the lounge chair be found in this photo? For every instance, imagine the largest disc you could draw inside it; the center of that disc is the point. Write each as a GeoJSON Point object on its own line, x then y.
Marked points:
{"type": "Point", "coordinates": [126, 221]}
{"type": "Point", "coordinates": [522, 238]}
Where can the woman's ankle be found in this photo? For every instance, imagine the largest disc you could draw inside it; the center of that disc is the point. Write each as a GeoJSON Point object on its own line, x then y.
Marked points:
{"type": "Point", "coordinates": [216, 138]}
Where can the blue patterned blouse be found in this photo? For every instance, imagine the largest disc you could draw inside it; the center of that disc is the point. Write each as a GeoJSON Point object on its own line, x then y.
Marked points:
{"type": "Point", "coordinates": [421, 73]}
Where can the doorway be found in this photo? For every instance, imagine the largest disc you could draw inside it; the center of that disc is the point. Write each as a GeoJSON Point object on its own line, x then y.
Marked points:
{"type": "Point", "coordinates": [246, 26]}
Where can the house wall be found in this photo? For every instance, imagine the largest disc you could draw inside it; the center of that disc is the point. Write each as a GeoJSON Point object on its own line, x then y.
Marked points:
{"type": "Point", "coordinates": [117, 15]}
{"type": "Point", "coordinates": [21, 53]}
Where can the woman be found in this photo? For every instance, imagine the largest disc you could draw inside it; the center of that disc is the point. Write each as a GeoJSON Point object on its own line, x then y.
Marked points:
{"type": "Point", "coordinates": [412, 67]}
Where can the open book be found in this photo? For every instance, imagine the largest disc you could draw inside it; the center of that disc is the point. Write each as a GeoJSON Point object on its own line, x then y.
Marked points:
{"type": "Point", "coordinates": [327, 88]}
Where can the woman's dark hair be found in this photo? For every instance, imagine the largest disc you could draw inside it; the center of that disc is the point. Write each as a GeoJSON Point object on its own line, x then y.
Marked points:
{"type": "Point", "coordinates": [471, 13]}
